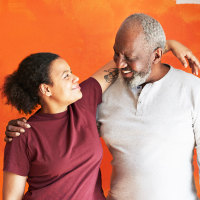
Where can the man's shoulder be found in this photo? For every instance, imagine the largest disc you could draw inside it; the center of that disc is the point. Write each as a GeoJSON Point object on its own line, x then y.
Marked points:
{"type": "Point", "coordinates": [186, 78]}
{"type": "Point", "coordinates": [116, 89]}
{"type": "Point", "coordinates": [185, 75]}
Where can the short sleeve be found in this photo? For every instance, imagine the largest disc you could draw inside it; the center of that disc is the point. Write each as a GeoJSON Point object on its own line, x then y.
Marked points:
{"type": "Point", "coordinates": [16, 156]}
{"type": "Point", "coordinates": [92, 94]}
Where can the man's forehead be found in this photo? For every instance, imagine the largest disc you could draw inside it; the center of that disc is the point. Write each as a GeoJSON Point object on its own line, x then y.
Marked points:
{"type": "Point", "coordinates": [129, 40]}
{"type": "Point", "coordinates": [129, 31]}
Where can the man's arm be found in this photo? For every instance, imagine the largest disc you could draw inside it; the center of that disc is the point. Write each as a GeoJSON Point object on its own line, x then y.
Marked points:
{"type": "Point", "coordinates": [13, 186]}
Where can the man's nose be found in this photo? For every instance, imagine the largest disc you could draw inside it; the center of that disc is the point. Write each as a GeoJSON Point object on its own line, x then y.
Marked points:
{"type": "Point", "coordinates": [120, 63]}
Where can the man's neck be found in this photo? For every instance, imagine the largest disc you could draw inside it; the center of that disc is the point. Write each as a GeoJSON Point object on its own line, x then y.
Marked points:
{"type": "Point", "coordinates": [158, 71]}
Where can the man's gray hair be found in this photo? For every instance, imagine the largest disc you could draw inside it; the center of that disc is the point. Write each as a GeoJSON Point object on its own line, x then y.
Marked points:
{"type": "Point", "coordinates": [153, 30]}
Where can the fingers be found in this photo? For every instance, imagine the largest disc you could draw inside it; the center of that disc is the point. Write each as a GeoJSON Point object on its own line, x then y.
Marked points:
{"type": "Point", "coordinates": [185, 55]}
{"type": "Point", "coordinates": [15, 128]}
{"type": "Point", "coordinates": [193, 63]}
{"type": "Point", "coordinates": [15, 131]}
{"type": "Point", "coordinates": [16, 122]}
{"type": "Point", "coordinates": [191, 57]}
{"type": "Point", "coordinates": [23, 124]}
{"type": "Point", "coordinates": [183, 61]}
{"type": "Point", "coordinates": [7, 139]}
{"type": "Point", "coordinates": [20, 123]}
{"type": "Point", "coordinates": [194, 67]}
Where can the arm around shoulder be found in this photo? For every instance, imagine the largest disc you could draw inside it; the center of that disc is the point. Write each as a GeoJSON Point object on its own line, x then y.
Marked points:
{"type": "Point", "coordinates": [184, 54]}
{"type": "Point", "coordinates": [106, 75]}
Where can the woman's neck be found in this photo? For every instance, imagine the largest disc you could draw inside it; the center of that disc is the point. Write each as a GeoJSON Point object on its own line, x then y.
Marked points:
{"type": "Point", "coordinates": [53, 109]}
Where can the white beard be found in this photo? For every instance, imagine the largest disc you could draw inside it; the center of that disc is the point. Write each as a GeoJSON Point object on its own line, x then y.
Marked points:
{"type": "Point", "coordinates": [138, 78]}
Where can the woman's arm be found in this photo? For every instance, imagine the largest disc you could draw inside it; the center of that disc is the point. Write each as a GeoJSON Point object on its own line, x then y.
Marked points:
{"type": "Point", "coordinates": [106, 75]}
{"type": "Point", "coordinates": [184, 54]}
{"type": "Point", "coordinates": [13, 186]}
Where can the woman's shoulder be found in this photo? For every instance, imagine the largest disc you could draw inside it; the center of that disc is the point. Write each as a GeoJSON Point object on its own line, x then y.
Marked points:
{"type": "Point", "coordinates": [90, 83]}
{"type": "Point", "coordinates": [92, 94]}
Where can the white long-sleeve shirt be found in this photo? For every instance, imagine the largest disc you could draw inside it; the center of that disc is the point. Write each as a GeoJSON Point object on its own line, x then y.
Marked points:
{"type": "Point", "coordinates": [151, 133]}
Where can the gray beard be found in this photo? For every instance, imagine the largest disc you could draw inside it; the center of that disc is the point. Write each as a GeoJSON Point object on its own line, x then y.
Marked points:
{"type": "Point", "coordinates": [138, 78]}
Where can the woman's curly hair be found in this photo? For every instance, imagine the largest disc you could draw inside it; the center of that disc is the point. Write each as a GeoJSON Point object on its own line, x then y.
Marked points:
{"type": "Point", "coordinates": [21, 87]}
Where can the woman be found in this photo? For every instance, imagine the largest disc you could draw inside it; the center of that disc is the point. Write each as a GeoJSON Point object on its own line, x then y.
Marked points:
{"type": "Point", "coordinates": [61, 153]}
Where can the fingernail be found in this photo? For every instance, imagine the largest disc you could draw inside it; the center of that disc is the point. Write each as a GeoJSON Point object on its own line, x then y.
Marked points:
{"type": "Point", "coordinates": [28, 126]}
{"type": "Point", "coordinates": [22, 130]}
{"type": "Point", "coordinates": [17, 134]}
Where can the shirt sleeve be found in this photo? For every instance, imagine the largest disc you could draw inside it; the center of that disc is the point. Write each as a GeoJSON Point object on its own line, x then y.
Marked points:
{"type": "Point", "coordinates": [16, 156]}
{"type": "Point", "coordinates": [196, 126]}
{"type": "Point", "coordinates": [92, 94]}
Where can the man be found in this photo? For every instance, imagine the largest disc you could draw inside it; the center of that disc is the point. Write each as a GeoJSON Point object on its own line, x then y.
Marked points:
{"type": "Point", "coordinates": [148, 118]}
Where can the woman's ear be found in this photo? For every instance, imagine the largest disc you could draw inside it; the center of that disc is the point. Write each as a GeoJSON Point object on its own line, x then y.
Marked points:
{"type": "Point", "coordinates": [45, 89]}
{"type": "Point", "coordinates": [157, 55]}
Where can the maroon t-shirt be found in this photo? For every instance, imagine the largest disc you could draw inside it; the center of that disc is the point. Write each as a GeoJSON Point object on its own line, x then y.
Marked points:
{"type": "Point", "coordinates": [61, 153]}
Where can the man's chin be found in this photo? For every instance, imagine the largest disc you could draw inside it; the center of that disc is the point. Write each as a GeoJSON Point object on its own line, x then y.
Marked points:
{"type": "Point", "coordinates": [134, 82]}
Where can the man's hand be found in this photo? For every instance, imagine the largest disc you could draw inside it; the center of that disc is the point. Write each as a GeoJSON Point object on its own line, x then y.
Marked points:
{"type": "Point", "coordinates": [15, 128]}
{"type": "Point", "coordinates": [184, 54]}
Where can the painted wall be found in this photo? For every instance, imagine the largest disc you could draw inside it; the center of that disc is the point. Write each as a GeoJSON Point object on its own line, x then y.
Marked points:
{"type": "Point", "coordinates": [82, 31]}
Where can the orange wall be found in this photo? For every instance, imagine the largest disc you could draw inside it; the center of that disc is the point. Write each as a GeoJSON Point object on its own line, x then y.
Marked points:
{"type": "Point", "coordinates": [82, 31]}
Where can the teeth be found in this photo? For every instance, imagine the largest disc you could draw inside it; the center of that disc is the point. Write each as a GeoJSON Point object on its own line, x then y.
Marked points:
{"type": "Point", "coordinates": [126, 72]}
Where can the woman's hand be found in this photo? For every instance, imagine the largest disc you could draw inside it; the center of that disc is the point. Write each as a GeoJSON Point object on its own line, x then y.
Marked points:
{"type": "Point", "coordinates": [184, 54]}
{"type": "Point", "coordinates": [15, 128]}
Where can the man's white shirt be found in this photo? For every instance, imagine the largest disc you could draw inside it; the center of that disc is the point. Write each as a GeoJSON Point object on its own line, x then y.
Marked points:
{"type": "Point", "coordinates": [151, 133]}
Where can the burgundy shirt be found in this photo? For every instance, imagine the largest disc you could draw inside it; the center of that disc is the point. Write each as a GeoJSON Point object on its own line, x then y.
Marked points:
{"type": "Point", "coordinates": [61, 153]}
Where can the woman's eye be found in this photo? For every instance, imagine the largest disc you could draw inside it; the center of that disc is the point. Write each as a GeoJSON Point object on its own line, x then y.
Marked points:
{"type": "Point", "coordinates": [66, 76]}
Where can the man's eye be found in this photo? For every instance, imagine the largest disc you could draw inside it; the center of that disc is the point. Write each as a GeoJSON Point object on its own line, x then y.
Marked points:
{"type": "Point", "coordinates": [129, 59]}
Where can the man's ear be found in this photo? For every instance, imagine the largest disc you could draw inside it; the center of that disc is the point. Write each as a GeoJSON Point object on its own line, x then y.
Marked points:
{"type": "Point", "coordinates": [157, 55]}
{"type": "Point", "coordinates": [45, 89]}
